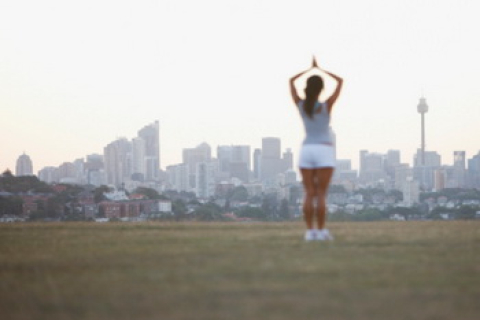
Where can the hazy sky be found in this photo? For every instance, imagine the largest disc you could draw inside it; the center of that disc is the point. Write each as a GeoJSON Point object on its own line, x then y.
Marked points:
{"type": "Point", "coordinates": [76, 75]}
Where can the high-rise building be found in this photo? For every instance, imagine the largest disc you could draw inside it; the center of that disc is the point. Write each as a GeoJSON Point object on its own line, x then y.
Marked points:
{"type": "Point", "coordinates": [402, 173]}
{"type": "Point", "coordinates": [139, 159]}
{"type": "Point", "coordinates": [234, 161]}
{"type": "Point", "coordinates": [205, 179]}
{"type": "Point", "coordinates": [424, 173]}
{"type": "Point", "coordinates": [118, 162]}
{"type": "Point", "coordinates": [288, 159]}
{"type": "Point", "coordinates": [66, 172]}
{"type": "Point", "coordinates": [440, 179]}
{"type": "Point", "coordinates": [241, 154]}
{"type": "Point", "coordinates": [271, 163]}
{"type": "Point", "coordinates": [371, 167]}
{"type": "Point", "coordinates": [392, 158]}
{"type": "Point", "coordinates": [411, 192]}
{"type": "Point", "coordinates": [474, 171]}
{"type": "Point", "coordinates": [24, 166]}
{"type": "Point", "coordinates": [193, 156]}
{"type": "Point", "coordinates": [94, 170]}
{"type": "Point", "coordinates": [290, 177]}
{"type": "Point", "coordinates": [430, 159]}
{"type": "Point", "coordinates": [224, 157]}
{"type": "Point", "coordinates": [48, 174]}
{"type": "Point", "coordinates": [151, 135]}
{"type": "Point", "coordinates": [459, 169]}
{"type": "Point", "coordinates": [178, 177]}
{"type": "Point", "coordinates": [343, 171]}
{"type": "Point", "coordinates": [271, 148]}
{"type": "Point", "coordinates": [257, 164]}
{"type": "Point", "coordinates": [79, 171]}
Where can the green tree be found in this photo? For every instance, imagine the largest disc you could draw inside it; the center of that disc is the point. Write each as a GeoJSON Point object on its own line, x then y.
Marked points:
{"type": "Point", "coordinates": [284, 212]}
{"type": "Point", "coordinates": [10, 183]}
{"type": "Point", "coordinates": [466, 213]}
{"type": "Point", "coordinates": [396, 193]}
{"type": "Point", "coordinates": [269, 206]}
{"type": "Point", "coordinates": [98, 193]}
{"type": "Point", "coordinates": [239, 193]}
{"type": "Point", "coordinates": [208, 212]}
{"type": "Point", "coordinates": [10, 206]}
{"type": "Point", "coordinates": [149, 193]}
{"type": "Point", "coordinates": [368, 193]}
{"type": "Point", "coordinates": [179, 209]}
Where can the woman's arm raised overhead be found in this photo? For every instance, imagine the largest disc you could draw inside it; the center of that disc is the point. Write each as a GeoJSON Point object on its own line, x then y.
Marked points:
{"type": "Point", "coordinates": [333, 98]}
{"type": "Point", "coordinates": [293, 90]}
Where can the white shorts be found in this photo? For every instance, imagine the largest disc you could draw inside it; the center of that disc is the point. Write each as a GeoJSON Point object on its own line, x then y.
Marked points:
{"type": "Point", "coordinates": [317, 156]}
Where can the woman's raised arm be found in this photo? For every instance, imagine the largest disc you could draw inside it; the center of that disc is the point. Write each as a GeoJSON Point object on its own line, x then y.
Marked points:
{"type": "Point", "coordinates": [293, 90]}
{"type": "Point", "coordinates": [333, 98]}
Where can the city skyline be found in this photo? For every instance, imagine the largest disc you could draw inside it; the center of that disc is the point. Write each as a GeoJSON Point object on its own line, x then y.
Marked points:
{"type": "Point", "coordinates": [73, 79]}
{"type": "Point", "coordinates": [249, 156]}
{"type": "Point", "coordinates": [149, 153]}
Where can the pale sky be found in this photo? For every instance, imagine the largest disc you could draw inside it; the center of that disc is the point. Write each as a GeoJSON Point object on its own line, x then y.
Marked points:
{"type": "Point", "coordinates": [76, 75]}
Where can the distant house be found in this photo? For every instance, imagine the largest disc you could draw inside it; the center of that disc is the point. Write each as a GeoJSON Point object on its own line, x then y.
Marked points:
{"type": "Point", "coordinates": [165, 206]}
{"type": "Point", "coordinates": [31, 203]}
{"type": "Point", "coordinates": [137, 196]}
{"type": "Point", "coordinates": [133, 208]}
{"type": "Point", "coordinates": [397, 217]}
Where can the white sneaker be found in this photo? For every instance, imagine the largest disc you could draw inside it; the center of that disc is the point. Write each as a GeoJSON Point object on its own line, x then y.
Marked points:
{"type": "Point", "coordinates": [324, 234]}
{"type": "Point", "coordinates": [310, 235]}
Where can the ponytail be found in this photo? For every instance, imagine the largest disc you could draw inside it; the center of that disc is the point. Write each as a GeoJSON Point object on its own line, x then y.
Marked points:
{"type": "Point", "coordinates": [312, 91]}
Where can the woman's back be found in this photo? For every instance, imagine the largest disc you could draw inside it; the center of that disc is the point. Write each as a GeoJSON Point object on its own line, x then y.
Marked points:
{"type": "Point", "coordinates": [317, 127]}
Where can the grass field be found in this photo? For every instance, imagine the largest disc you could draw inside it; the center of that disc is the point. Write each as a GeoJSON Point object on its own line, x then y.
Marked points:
{"type": "Point", "coordinates": [380, 270]}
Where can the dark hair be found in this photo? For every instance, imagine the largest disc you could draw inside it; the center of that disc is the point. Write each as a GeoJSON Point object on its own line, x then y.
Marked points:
{"type": "Point", "coordinates": [312, 91]}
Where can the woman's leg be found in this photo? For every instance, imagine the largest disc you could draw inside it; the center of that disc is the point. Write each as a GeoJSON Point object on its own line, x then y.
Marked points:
{"type": "Point", "coordinates": [308, 179]}
{"type": "Point", "coordinates": [322, 180]}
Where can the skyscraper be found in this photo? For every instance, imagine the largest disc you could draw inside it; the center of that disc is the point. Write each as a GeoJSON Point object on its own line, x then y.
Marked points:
{"type": "Point", "coordinates": [371, 167]}
{"type": "Point", "coordinates": [459, 169]}
{"type": "Point", "coordinates": [139, 160]}
{"type": "Point", "coordinates": [205, 179]}
{"type": "Point", "coordinates": [24, 166]}
{"type": "Point", "coordinates": [48, 174]}
{"type": "Point", "coordinates": [94, 169]}
{"type": "Point", "coordinates": [178, 177]}
{"type": "Point", "coordinates": [234, 161]}
{"type": "Point", "coordinates": [193, 156]}
{"type": "Point", "coordinates": [288, 159]}
{"type": "Point", "coordinates": [118, 162]}
{"type": "Point", "coordinates": [151, 135]}
{"type": "Point", "coordinates": [271, 148]}
{"type": "Point", "coordinates": [271, 163]}
{"type": "Point", "coordinates": [257, 161]}
{"type": "Point", "coordinates": [474, 171]}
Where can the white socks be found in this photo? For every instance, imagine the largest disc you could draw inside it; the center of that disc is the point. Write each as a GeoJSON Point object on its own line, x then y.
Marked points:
{"type": "Point", "coordinates": [321, 235]}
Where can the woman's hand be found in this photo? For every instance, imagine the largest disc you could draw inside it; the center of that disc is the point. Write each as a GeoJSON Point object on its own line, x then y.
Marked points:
{"type": "Point", "coordinates": [314, 63]}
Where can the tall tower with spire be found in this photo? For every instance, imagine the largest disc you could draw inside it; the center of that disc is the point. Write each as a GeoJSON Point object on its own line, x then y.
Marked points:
{"type": "Point", "coordinates": [422, 109]}
{"type": "Point", "coordinates": [24, 166]}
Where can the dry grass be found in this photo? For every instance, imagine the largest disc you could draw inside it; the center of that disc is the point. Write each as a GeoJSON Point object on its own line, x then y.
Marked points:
{"type": "Point", "coordinates": [381, 270]}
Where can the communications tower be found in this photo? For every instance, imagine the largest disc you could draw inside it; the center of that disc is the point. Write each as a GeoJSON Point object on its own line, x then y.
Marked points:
{"type": "Point", "coordinates": [422, 109]}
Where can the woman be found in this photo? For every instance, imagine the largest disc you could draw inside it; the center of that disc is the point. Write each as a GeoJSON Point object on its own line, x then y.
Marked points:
{"type": "Point", "coordinates": [317, 155]}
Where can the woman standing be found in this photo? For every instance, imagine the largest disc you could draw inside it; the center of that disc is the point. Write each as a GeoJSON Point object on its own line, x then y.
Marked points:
{"type": "Point", "coordinates": [317, 155]}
